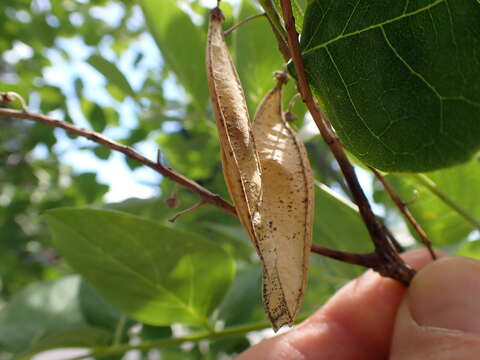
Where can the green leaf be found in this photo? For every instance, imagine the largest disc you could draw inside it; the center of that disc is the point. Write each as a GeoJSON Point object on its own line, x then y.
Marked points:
{"type": "Point", "coordinates": [243, 298]}
{"type": "Point", "coordinates": [339, 226]}
{"type": "Point", "coordinates": [111, 73]}
{"type": "Point", "coordinates": [155, 274]}
{"type": "Point", "coordinates": [39, 311]}
{"type": "Point", "coordinates": [96, 311]}
{"type": "Point", "coordinates": [257, 55]}
{"type": "Point", "coordinates": [97, 118]}
{"type": "Point", "coordinates": [443, 225]}
{"type": "Point", "coordinates": [470, 249]}
{"type": "Point", "coordinates": [399, 80]}
{"type": "Point", "coordinates": [337, 222]}
{"type": "Point", "coordinates": [182, 45]}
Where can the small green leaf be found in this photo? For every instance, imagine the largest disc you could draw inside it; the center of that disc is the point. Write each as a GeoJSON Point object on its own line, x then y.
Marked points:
{"type": "Point", "coordinates": [111, 73]}
{"type": "Point", "coordinates": [399, 80]}
{"type": "Point", "coordinates": [97, 118]}
{"type": "Point", "coordinates": [102, 152]}
{"type": "Point", "coordinates": [155, 274]}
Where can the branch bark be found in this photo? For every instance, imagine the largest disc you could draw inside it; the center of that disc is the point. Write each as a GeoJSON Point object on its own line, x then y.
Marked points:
{"type": "Point", "coordinates": [391, 263]}
{"type": "Point", "coordinates": [169, 173]}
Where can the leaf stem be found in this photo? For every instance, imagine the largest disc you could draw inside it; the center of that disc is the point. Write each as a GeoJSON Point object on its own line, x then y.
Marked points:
{"type": "Point", "coordinates": [234, 331]}
{"type": "Point", "coordinates": [242, 22]}
{"type": "Point", "coordinates": [117, 337]}
{"type": "Point", "coordinates": [433, 188]}
{"type": "Point", "coordinates": [390, 264]}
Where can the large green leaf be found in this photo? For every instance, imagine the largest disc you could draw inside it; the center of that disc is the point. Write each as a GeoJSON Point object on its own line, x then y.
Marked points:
{"type": "Point", "coordinates": [443, 225]}
{"type": "Point", "coordinates": [399, 80]}
{"type": "Point", "coordinates": [111, 73]}
{"type": "Point", "coordinates": [182, 45]}
{"type": "Point", "coordinates": [156, 274]}
{"type": "Point", "coordinates": [42, 312]}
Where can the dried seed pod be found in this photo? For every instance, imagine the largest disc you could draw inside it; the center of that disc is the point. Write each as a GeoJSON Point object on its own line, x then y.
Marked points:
{"type": "Point", "coordinates": [240, 162]}
{"type": "Point", "coordinates": [286, 210]}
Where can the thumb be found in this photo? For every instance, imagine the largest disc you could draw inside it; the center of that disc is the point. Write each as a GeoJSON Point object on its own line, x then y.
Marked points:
{"type": "Point", "coordinates": [439, 317]}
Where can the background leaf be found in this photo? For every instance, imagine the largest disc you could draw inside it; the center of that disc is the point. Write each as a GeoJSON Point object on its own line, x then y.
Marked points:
{"type": "Point", "coordinates": [257, 56]}
{"type": "Point", "coordinates": [155, 274]}
{"type": "Point", "coordinates": [443, 225]}
{"type": "Point", "coordinates": [44, 315]}
{"type": "Point", "coordinates": [181, 44]}
{"type": "Point", "coordinates": [111, 72]}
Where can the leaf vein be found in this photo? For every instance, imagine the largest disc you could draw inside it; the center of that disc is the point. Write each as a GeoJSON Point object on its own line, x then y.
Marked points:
{"type": "Point", "coordinates": [371, 27]}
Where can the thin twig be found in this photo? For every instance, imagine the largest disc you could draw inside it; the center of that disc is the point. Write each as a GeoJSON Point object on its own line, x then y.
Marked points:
{"type": "Point", "coordinates": [369, 260]}
{"type": "Point", "coordinates": [187, 211]}
{"type": "Point", "coordinates": [242, 22]}
{"type": "Point", "coordinates": [402, 206]}
{"type": "Point", "coordinates": [393, 265]}
{"type": "Point", "coordinates": [191, 185]}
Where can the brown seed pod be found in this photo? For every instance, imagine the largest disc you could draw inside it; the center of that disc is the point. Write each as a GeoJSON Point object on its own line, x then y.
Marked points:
{"type": "Point", "coordinates": [279, 224]}
{"type": "Point", "coordinates": [286, 210]}
{"type": "Point", "coordinates": [240, 162]}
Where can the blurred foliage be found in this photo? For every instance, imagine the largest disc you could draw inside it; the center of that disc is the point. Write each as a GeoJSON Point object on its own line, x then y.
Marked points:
{"type": "Point", "coordinates": [86, 62]}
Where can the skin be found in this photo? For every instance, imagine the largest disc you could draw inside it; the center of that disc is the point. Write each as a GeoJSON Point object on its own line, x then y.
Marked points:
{"type": "Point", "coordinates": [376, 318]}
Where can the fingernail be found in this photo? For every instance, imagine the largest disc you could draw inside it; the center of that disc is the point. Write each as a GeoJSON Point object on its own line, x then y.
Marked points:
{"type": "Point", "coordinates": [446, 294]}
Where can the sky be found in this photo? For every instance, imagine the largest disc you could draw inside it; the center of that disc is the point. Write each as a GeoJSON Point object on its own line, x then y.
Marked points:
{"type": "Point", "coordinates": [114, 172]}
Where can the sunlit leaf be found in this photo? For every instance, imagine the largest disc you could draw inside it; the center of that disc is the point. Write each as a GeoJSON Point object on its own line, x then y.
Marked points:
{"type": "Point", "coordinates": [181, 44]}
{"type": "Point", "coordinates": [155, 274]}
{"type": "Point", "coordinates": [111, 73]}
